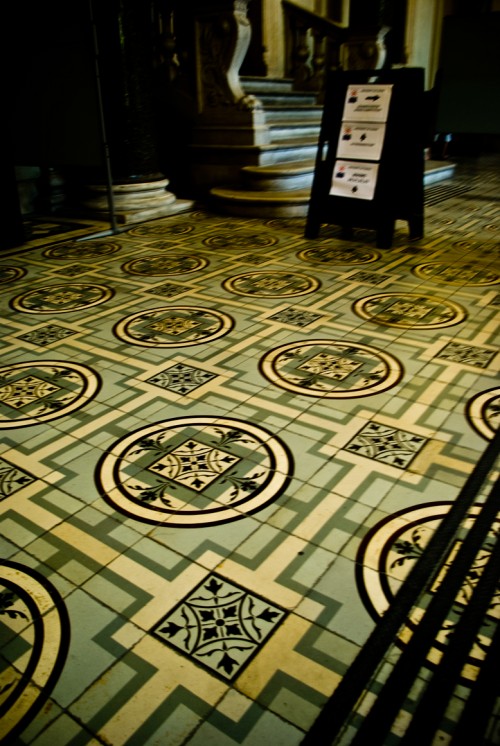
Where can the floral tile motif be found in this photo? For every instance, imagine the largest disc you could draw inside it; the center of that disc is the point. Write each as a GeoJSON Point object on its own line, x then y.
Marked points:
{"type": "Point", "coordinates": [220, 626]}
{"type": "Point", "coordinates": [46, 335]}
{"type": "Point", "coordinates": [173, 326]}
{"type": "Point", "coordinates": [181, 379]}
{"type": "Point", "coordinates": [34, 620]}
{"type": "Point", "coordinates": [295, 317]}
{"type": "Point", "coordinates": [168, 290]}
{"type": "Point", "coordinates": [394, 545]}
{"type": "Point", "coordinates": [38, 392]}
{"type": "Point", "coordinates": [195, 471]}
{"type": "Point", "coordinates": [410, 310]}
{"type": "Point", "coordinates": [12, 479]}
{"type": "Point", "coordinates": [386, 444]}
{"type": "Point", "coordinates": [254, 259]}
{"type": "Point", "coordinates": [457, 274]}
{"type": "Point", "coordinates": [371, 278]}
{"type": "Point", "coordinates": [335, 370]}
{"type": "Point", "coordinates": [271, 284]}
{"type": "Point", "coordinates": [81, 250]}
{"type": "Point", "coordinates": [10, 274]}
{"type": "Point", "coordinates": [240, 241]}
{"type": "Point", "coordinates": [483, 412]}
{"type": "Point", "coordinates": [73, 270]}
{"type": "Point", "coordinates": [62, 298]}
{"type": "Point", "coordinates": [339, 255]}
{"type": "Point", "coordinates": [159, 228]}
{"type": "Point", "coordinates": [169, 264]}
{"type": "Point", "coordinates": [459, 352]}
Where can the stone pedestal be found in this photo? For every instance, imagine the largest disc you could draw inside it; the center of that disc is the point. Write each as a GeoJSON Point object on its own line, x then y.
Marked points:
{"type": "Point", "coordinates": [123, 33]}
{"type": "Point", "coordinates": [134, 203]}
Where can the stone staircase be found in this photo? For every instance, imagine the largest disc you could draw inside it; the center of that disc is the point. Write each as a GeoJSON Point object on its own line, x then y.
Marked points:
{"type": "Point", "coordinates": [279, 185]}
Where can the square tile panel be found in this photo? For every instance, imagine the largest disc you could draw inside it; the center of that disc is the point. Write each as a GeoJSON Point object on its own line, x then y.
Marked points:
{"type": "Point", "coordinates": [220, 626]}
{"type": "Point", "coordinates": [389, 445]}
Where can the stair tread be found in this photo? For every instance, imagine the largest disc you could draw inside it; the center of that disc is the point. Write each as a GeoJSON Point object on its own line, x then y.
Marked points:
{"type": "Point", "coordinates": [248, 195]}
{"type": "Point", "coordinates": [291, 167]}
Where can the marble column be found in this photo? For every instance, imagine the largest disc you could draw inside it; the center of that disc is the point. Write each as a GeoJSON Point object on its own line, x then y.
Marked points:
{"type": "Point", "coordinates": [123, 33]}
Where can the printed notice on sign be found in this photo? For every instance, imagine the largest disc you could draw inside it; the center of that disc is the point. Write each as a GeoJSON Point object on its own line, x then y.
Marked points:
{"type": "Point", "coordinates": [355, 180]}
{"type": "Point", "coordinates": [360, 140]}
{"type": "Point", "coordinates": [367, 103]}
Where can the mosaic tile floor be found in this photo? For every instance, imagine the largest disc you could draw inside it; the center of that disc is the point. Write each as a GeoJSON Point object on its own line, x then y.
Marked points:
{"type": "Point", "coordinates": [223, 446]}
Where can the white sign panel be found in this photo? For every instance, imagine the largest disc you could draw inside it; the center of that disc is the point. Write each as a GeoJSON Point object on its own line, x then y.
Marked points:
{"type": "Point", "coordinates": [367, 103]}
{"type": "Point", "coordinates": [354, 179]}
{"type": "Point", "coordinates": [361, 140]}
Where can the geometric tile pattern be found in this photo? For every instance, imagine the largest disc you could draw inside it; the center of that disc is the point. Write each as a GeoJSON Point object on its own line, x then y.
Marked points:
{"type": "Point", "coordinates": [181, 379]}
{"type": "Point", "coordinates": [271, 284]}
{"type": "Point", "coordinates": [483, 412]}
{"type": "Point", "coordinates": [410, 310]}
{"type": "Point", "coordinates": [283, 439]}
{"type": "Point", "coordinates": [461, 274]}
{"type": "Point", "coordinates": [220, 625]}
{"type": "Point", "coordinates": [10, 274]}
{"type": "Point", "coordinates": [459, 352]}
{"type": "Point", "coordinates": [46, 335]}
{"type": "Point", "coordinates": [394, 545]}
{"type": "Point", "coordinates": [34, 629]}
{"type": "Point", "coordinates": [386, 444]}
{"type": "Point", "coordinates": [195, 471]}
{"type": "Point", "coordinates": [62, 298]}
{"type": "Point", "coordinates": [331, 369]}
{"type": "Point", "coordinates": [164, 265]}
{"type": "Point", "coordinates": [173, 326]}
{"type": "Point", "coordinates": [12, 479]}
{"type": "Point", "coordinates": [32, 393]}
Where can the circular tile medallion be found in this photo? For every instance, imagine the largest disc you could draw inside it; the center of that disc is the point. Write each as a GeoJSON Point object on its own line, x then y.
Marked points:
{"type": "Point", "coordinates": [331, 369]}
{"type": "Point", "coordinates": [388, 553]}
{"type": "Point", "coordinates": [173, 326]}
{"type": "Point", "coordinates": [409, 310]}
{"type": "Point", "coordinates": [339, 255]}
{"type": "Point", "coordinates": [81, 250]}
{"type": "Point", "coordinates": [271, 284]}
{"type": "Point", "coordinates": [240, 241]}
{"type": "Point", "coordinates": [9, 274]}
{"type": "Point", "coordinates": [32, 611]}
{"type": "Point", "coordinates": [195, 471]}
{"type": "Point", "coordinates": [457, 274]}
{"type": "Point", "coordinates": [161, 229]}
{"type": "Point", "coordinates": [170, 264]}
{"type": "Point", "coordinates": [483, 412]}
{"type": "Point", "coordinates": [61, 298]}
{"type": "Point", "coordinates": [33, 392]}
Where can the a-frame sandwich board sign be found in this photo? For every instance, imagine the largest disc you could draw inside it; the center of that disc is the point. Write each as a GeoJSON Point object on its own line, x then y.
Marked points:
{"type": "Point", "coordinates": [370, 163]}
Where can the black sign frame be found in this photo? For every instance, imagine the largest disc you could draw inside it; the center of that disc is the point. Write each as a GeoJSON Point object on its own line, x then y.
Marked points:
{"type": "Point", "coordinates": [399, 188]}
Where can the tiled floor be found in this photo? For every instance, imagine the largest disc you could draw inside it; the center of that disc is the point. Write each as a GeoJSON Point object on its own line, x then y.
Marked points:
{"type": "Point", "coordinates": [223, 446]}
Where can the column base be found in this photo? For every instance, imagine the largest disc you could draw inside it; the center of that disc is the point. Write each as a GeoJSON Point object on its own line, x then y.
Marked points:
{"type": "Point", "coordinates": [135, 203]}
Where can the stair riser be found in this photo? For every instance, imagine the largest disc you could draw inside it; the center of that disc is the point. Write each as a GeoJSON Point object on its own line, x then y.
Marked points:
{"type": "Point", "coordinates": [277, 183]}
{"type": "Point", "coordinates": [262, 210]}
{"type": "Point", "coordinates": [296, 99]}
{"type": "Point", "coordinates": [286, 155]}
{"type": "Point", "coordinates": [282, 132]}
{"type": "Point", "coordinates": [293, 114]}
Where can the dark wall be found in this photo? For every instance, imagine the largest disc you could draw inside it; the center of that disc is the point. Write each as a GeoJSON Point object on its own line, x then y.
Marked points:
{"type": "Point", "coordinates": [469, 95]}
{"type": "Point", "coordinates": [51, 96]}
